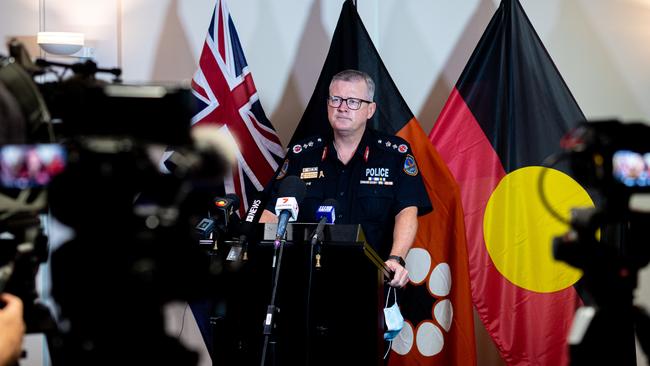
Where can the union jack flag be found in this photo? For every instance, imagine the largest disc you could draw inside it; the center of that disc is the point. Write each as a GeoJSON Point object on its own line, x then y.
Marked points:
{"type": "Point", "coordinates": [226, 96]}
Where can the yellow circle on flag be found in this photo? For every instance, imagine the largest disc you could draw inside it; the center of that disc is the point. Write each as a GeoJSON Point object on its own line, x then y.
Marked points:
{"type": "Point", "coordinates": [518, 230]}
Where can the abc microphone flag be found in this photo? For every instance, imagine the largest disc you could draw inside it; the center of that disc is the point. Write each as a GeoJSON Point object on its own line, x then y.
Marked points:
{"type": "Point", "coordinates": [327, 210]}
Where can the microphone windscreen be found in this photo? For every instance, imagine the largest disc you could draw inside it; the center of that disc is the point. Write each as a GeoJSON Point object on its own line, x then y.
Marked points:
{"type": "Point", "coordinates": [327, 210]}
{"type": "Point", "coordinates": [292, 186]}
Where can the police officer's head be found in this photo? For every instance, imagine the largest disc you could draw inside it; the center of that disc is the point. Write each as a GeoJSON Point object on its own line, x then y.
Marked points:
{"type": "Point", "coordinates": [350, 102]}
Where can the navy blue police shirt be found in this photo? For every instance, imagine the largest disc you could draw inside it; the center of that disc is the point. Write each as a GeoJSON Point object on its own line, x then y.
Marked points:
{"type": "Point", "coordinates": [380, 180]}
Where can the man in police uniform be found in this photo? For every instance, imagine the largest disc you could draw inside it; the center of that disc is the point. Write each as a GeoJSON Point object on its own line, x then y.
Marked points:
{"type": "Point", "coordinates": [373, 176]}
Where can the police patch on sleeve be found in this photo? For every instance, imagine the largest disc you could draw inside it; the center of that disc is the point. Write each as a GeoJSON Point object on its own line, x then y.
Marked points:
{"type": "Point", "coordinates": [410, 166]}
{"type": "Point", "coordinates": [283, 169]}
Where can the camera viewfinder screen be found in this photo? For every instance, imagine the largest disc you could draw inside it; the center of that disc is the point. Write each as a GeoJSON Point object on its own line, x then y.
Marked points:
{"type": "Point", "coordinates": [26, 166]}
{"type": "Point", "coordinates": [631, 168]}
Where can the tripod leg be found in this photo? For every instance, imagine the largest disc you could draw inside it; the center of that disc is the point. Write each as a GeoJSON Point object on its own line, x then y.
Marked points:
{"type": "Point", "coordinates": [642, 329]}
{"type": "Point", "coordinates": [609, 340]}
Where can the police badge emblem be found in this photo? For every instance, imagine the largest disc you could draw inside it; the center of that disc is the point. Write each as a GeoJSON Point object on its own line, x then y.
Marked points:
{"type": "Point", "coordinates": [410, 166]}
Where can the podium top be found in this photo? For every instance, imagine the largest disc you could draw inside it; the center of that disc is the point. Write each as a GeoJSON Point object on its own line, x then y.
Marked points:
{"type": "Point", "coordinates": [333, 235]}
{"type": "Point", "coordinates": [348, 235]}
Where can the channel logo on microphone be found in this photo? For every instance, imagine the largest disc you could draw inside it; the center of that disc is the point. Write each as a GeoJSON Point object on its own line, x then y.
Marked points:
{"type": "Point", "coordinates": [326, 211]}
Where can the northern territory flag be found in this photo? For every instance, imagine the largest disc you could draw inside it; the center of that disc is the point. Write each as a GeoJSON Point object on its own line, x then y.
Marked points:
{"type": "Point", "coordinates": [506, 114]}
{"type": "Point", "coordinates": [436, 304]}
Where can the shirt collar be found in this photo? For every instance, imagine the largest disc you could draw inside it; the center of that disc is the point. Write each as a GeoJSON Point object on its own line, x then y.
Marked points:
{"type": "Point", "coordinates": [361, 149]}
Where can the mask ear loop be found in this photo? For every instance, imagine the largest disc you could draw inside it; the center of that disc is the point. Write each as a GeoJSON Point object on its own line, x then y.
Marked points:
{"type": "Point", "coordinates": [388, 296]}
{"type": "Point", "coordinates": [390, 343]}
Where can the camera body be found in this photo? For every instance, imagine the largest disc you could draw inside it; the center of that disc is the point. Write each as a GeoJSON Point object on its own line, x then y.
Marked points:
{"type": "Point", "coordinates": [608, 242]}
{"type": "Point", "coordinates": [611, 157]}
{"type": "Point", "coordinates": [613, 160]}
{"type": "Point", "coordinates": [91, 154]}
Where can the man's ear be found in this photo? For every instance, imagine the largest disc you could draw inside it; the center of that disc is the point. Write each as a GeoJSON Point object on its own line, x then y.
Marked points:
{"type": "Point", "coordinates": [372, 107]}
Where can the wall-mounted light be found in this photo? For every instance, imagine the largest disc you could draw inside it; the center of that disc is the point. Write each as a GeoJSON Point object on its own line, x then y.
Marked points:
{"type": "Point", "coordinates": [60, 43]}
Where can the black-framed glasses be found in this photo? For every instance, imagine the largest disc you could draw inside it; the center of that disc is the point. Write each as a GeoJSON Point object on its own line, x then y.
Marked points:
{"type": "Point", "coordinates": [352, 103]}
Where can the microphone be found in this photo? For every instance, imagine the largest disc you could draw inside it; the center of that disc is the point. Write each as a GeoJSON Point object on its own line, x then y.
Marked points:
{"type": "Point", "coordinates": [292, 192]}
{"type": "Point", "coordinates": [226, 207]}
{"type": "Point", "coordinates": [219, 222]}
{"type": "Point", "coordinates": [246, 229]}
{"type": "Point", "coordinates": [204, 228]}
{"type": "Point", "coordinates": [326, 214]}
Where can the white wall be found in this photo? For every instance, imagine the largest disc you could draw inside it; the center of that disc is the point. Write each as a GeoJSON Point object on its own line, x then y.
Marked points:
{"type": "Point", "coordinates": [600, 47]}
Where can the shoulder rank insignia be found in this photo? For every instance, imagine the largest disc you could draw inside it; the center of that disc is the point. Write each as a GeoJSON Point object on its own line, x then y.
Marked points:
{"type": "Point", "coordinates": [403, 148]}
{"type": "Point", "coordinates": [297, 149]}
{"type": "Point", "coordinates": [410, 166]}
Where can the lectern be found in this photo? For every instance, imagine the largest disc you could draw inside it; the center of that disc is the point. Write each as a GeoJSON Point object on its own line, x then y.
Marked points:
{"type": "Point", "coordinates": [329, 311]}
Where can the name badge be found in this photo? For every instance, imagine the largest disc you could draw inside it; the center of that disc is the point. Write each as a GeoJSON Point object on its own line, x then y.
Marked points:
{"type": "Point", "coordinates": [309, 173]}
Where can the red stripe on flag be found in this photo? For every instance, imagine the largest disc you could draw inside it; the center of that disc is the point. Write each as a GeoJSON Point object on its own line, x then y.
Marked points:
{"type": "Point", "coordinates": [270, 135]}
{"type": "Point", "coordinates": [221, 43]}
{"type": "Point", "coordinates": [244, 89]}
{"type": "Point", "coordinates": [507, 311]}
{"type": "Point", "coordinates": [198, 89]}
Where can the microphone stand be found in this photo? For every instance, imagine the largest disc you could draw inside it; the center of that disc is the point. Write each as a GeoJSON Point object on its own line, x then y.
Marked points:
{"type": "Point", "coordinates": [271, 309]}
{"type": "Point", "coordinates": [316, 238]}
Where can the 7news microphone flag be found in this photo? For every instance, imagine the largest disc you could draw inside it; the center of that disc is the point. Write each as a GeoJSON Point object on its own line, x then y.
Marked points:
{"type": "Point", "coordinates": [292, 192]}
{"type": "Point", "coordinates": [506, 114]}
{"type": "Point", "coordinates": [439, 327]}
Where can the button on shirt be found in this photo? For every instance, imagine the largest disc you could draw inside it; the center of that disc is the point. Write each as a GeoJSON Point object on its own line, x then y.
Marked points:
{"type": "Point", "coordinates": [380, 180]}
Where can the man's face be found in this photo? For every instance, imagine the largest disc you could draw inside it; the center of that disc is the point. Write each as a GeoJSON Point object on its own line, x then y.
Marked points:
{"type": "Point", "coordinates": [344, 120]}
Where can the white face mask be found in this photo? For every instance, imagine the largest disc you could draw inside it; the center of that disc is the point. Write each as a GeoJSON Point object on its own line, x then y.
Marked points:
{"type": "Point", "coordinates": [393, 318]}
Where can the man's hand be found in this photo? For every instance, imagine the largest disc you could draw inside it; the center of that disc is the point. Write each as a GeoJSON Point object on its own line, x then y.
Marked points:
{"type": "Point", "coordinates": [12, 329]}
{"type": "Point", "coordinates": [401, 274]}
{"type": "Point", "coordinates": [268, 217]}
{"type": "Point", "coordinates": [406, 226]}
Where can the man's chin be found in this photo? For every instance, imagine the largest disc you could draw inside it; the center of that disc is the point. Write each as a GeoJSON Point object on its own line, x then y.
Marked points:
{"type": "Point", "coordinates": [345, 127]}
{"type": "Point", "coordinates": [341, 128]}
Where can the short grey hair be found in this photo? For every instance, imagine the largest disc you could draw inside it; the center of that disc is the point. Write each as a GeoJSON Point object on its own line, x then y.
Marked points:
{"type": "Point", "coordinates": [356, 75]}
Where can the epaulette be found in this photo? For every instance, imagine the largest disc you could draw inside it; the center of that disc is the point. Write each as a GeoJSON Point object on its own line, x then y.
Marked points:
{"type": "Point", "coordinates": [307, 144]}
{"type": "Point", "coordinates": [392, 143]}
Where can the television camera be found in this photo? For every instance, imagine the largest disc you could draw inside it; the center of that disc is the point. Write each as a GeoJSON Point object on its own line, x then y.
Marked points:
{"type": "Point", "coordinates": [608, 242]}
{"type": "Point", "coordinates": [91, 150]}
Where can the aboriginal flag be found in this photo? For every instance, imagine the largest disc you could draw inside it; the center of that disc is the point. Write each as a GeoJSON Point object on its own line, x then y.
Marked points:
{"type": "Point", "coordinates": [439, 327]}
{"type": "Point", "coordinates": [506, 114]}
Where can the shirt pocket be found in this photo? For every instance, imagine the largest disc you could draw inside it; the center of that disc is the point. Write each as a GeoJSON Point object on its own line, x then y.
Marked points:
{"type": "Point", "coordinates": [374, 203]}
{"type": "Point", "coordinates": [314, 197]}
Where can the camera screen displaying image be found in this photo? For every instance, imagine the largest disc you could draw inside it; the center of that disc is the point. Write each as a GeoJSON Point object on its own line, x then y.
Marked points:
{"type": "Point", "coordinates": [27, 166]}
{"type": "Point", "coordinates": [631, 168]}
